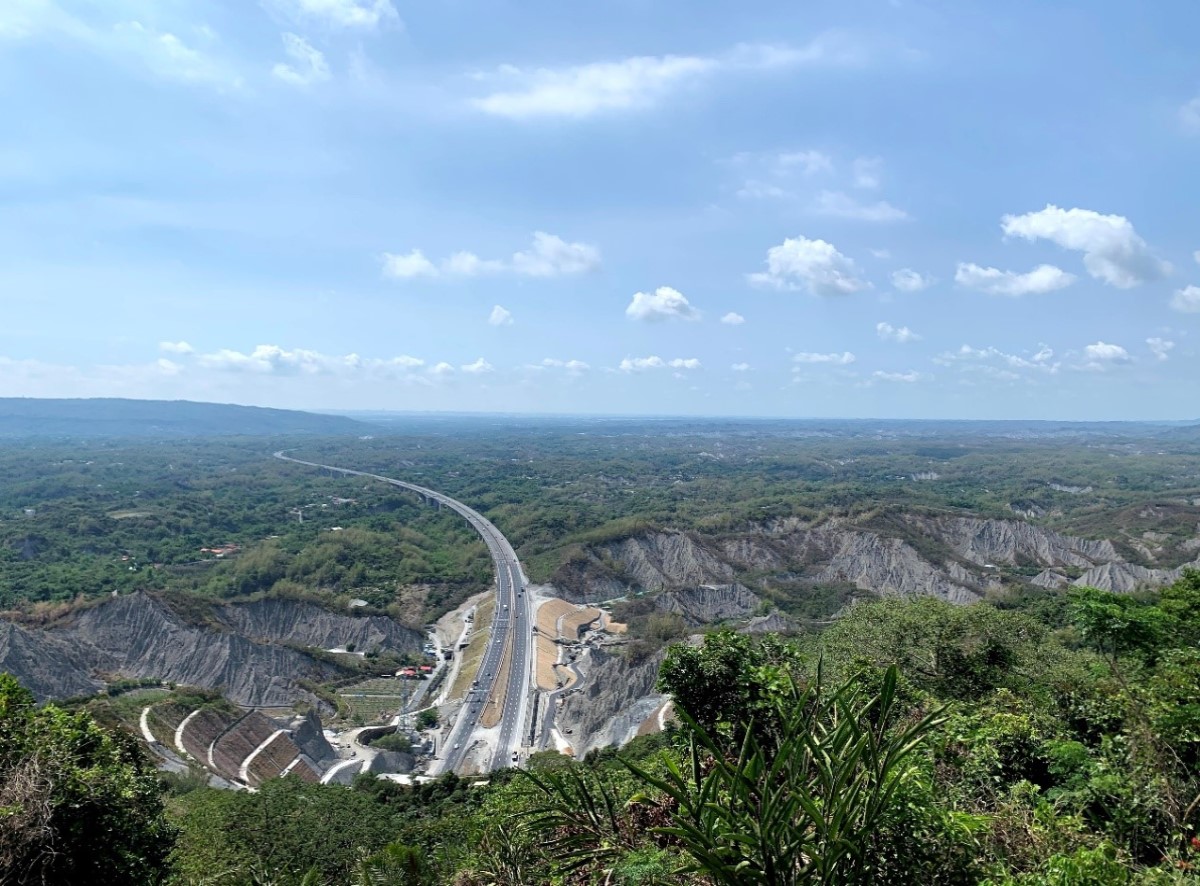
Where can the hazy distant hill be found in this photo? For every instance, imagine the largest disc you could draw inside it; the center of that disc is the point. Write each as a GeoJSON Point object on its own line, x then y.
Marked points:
{"type": "Point", "coordinates": [24, 417]}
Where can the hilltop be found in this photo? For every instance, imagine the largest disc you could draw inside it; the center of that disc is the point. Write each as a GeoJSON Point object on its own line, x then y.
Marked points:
{"type": "Point", "coordinates": [111, 417]}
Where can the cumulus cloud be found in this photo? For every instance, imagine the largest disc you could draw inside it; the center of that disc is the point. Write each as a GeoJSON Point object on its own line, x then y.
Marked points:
{"type": "Point", "coordinates": [733, 319]}
{"type": "Point", "coordinates": [441, 369]}
{"type": "Point", "coordinates": [1102, 355]}
{"type": "Point", "coordinates": [362, 14]}
{"type": "Point", "coordinates": [548, 256]}
{"type": "Point", "coordinates": [1186, 300]}
{"type": "Point", "coordinates": [740, 367]}
{"type": "Point", "coordinates": [839, 205]}
{"type": "Point", "coordinates": [908, 280]}
{"type": "Point", "coordinates": [813, 265]}
{"type": "Point", "coordinates": [908, 377]}
{"type": "Point", "coordinates": [479, 367]}
{"type": "Point", "coordinates": [274, 360]}
{"type": "Point", "coordinates": [643, 364]}
{"type": "Point", "coordinates": [175, 347]}
{"type": "Point", "coordinates": [573, 367]}
{"type": "Point", "coordinates": [664, 303]}
{"type": "Point", "coordinates": [408, 266]}
{"type": "Point", "coordinates": [843, 359]}
{"type": "Point", "coordinates": [1160, 347]}
{"type": "Point", "coordinates": [307, 64]}
{"type": "Point", "coordinates": [999, 364]}
{"type": "Point", "coordinates": [900, 334]}
{"type": "Point", "coordinates": [639, 82]}
{"type": "Point", "coordinates": [500, 317]}
{"type": "Point", "coordinates": [1043, 278]}
{"type": "Point", "coordinates": [1112, 250]}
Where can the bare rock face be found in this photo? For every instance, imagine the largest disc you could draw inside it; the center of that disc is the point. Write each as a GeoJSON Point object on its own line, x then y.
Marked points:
{"type": "Point", "coordinates": [279, 620]}
{"type": "Point", "coordinates": [1125, 578]}
{"type": "Point", "coordinates": [1013, 542]}
{"type": "Point", "coordinates": [613, 702]}
{"type": "Point", "coordinates": [141, 636]}
{"type": "Point", "coordinates": [309, 736]}
{"type": "Point", "coordinates": [47, 666]}
{"type": "Point", "coordinates": [710, 603]}
{"type": "Point", "coordinates": [664, 560]}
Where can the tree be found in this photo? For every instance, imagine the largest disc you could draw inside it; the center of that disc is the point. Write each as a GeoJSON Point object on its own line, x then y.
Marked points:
{"type": "Point", "coordinates": [78, 804]}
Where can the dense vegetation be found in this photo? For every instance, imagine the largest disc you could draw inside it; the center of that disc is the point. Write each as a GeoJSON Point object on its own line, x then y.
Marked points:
{"type": "Point", "coordinates": [913, 743]}
{"type": "Point", "coordinates": [93, 517]}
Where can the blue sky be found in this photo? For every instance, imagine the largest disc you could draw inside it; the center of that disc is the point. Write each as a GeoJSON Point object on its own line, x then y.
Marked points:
{"type": "Point", "coordinates": [862, 208]}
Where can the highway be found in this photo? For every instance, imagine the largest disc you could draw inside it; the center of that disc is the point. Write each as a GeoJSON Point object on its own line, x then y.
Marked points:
{"type": "Point", "coordinates": [510, 628]}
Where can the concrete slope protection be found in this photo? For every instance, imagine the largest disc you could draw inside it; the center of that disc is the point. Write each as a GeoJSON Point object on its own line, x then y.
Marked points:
{"type": "Point", "coordinates": [510, 630]}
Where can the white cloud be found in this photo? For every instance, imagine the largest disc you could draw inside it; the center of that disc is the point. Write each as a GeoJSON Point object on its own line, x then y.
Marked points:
{"type": "Point", "coordinates": [1189, 115]}
{"type": "Point", "coordinates": [175, 347]}
{"type": "Point", "coordinates": [500, 316]}
{"type": "Point", "coordinates": [992, 361]}
{"type": "Point", "coordinates": [753, 189]}
{"type": "Point", "coordinates": [907, 377]}
{"type": "Point", "coordinates": [168, 367]}
{"type": "Point", "coordinates": [867, 172]}
{"type": "Point", "coordinates": [1160, 347]}
{"type": "Point", "coordinates": [839, 205]}
{"type": "Point", "coordinates": [814, 265]}
{"type": "Point", "coordinates": [573, 367]}
{"type": "Point", "coordinates": [740, 367]}
{"type": "Point", "coordinates": [468, 264]}
{"type": "Point", "coordinates": [636, 83]}
{"type": "Point", "coordinates": [1101, 355]}
{"type": "Point", "coordinates": [1043, 278]}
{"type": "Point", "coordinates": [274, 360]}
{"type": "Point", "coordinates": [365, 14]}
{"type": "Point", "coordinates": [733, 319]}
{"type": "Point", "coordinates": [1186, 300]}
{"type": "Point", "coordinates": [479, 367]}
{"type": "Point", "coordinates": [405, 267]}
{"type": "Point", "coordinates": [308, 64]}
{"type": "Point", "coordinates": [160, 53]}
{"type": "Point", "coordinates": [441, 369]}
{"type": "Point", "coordinates": [1112, 250]}
{"type": "Point", "coordinates": [643, 364]}
{"type": "Point", "coordinates": [843, 359]}
{"type": "Point", "coordinates": [808, 162]}
{"type": "Point", "coordinates": [902, 334]}
{"type": "Point", "coordinates": [908, 280]}
{"type": "Point", "coordinates": [664, 303]}
{"type": "Point", "coordinates": [552, 256]}
{"type": "Point", "coordinates": [167, 56]}
{"type": "Point", "coordinates": [548, 256]}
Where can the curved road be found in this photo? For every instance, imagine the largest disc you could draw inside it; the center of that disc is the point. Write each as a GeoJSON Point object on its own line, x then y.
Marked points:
{"type": "Point", "coordinates": [510, 627]}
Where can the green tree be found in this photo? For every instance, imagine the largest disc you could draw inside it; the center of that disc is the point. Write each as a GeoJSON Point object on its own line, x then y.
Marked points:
{"type": "Point", "coordinates": [78, 804]}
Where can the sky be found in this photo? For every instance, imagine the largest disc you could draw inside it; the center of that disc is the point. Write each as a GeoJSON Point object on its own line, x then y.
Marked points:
{"type": "Point", "coordinates": [853, 208]}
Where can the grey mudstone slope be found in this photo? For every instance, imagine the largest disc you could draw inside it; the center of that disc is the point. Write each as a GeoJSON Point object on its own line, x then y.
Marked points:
{"type": "Point", "coordinates": [613, 703]}
{"type": "Point", "coordinates": [710, 603]}
{"type": "Point", "coordinates": [276, 620]}
{"type": "Point", "coordinates": [141, 636]}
